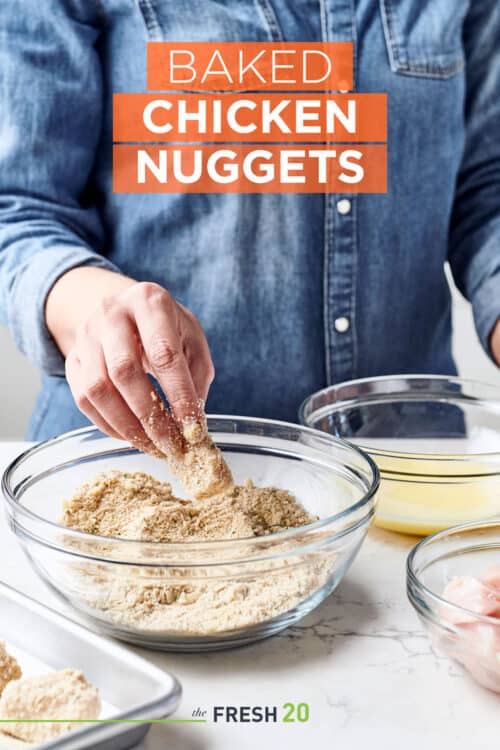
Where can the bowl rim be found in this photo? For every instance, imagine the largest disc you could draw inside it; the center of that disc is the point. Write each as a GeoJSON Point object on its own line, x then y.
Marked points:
{"type": "Point", "coordinates": [195, 545]}
{"type": "Point", "coordinates": [414, 581]}
{"type": "Point", "coordinates": [397, 455]}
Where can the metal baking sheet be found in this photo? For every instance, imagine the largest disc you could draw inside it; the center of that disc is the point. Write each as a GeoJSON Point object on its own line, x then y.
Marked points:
{"type": "Point", "coordinates": [130, 687]}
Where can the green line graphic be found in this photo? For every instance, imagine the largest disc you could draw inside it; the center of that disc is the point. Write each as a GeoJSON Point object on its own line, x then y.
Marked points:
{"type": "Point", "coordinates": [103, 721]}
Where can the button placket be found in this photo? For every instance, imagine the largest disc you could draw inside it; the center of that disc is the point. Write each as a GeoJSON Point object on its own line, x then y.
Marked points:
{"type": "Point", "coordinates": [340, 235]}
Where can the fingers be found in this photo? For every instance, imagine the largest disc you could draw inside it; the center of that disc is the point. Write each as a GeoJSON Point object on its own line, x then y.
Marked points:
{"type": "Point", "coordinates": [156, 318]}
{"type": "Point", "coordinates": [198, 356]}
{"type": "Point", "coordinates": [96, 395]}
{"type": "Point", "coordinates": [77, 385]}
{"type": "Point", "coordinates": [201, 368]}
{"type": "Point", "coordinates": [123, 357]}
{"type": "Point", "coordinates": [141, 330]}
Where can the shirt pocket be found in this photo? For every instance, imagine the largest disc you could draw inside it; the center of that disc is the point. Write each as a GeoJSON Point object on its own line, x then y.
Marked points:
{"type": "Point", "coordinates": [424, 37]}
{"type": "Point", "coordinates": [210, 20]}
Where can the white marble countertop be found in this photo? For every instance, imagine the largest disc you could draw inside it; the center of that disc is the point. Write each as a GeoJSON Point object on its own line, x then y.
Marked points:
{"type": "Point", "coordinates": [361, 660]}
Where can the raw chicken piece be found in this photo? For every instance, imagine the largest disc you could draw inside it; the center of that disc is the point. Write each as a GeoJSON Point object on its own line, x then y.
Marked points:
{"type": "Point", "coordinates": [56, 695]}
{"type": "Point", "coordinates": [477, 643]}
{"type": "Point", "coordinates": [199, 463]}
{"type": "Point", "coordinates": [192, 455]}
{"type": "Point", "coordinates": [479, 652]}
{"type": "Point", "coordinates": [492, 578]}
{"type": "Point", "coordinates": [472, 594]}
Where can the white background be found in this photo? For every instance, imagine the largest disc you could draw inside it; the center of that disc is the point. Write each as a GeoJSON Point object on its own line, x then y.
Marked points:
{"type": "Point", "coordinates": [20, 379]}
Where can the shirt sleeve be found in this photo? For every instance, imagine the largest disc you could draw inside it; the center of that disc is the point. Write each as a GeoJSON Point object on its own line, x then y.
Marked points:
{"type": "Point", "coordinates": [474, 252]}
{"type": "Point", "coordinates": [50, 121]}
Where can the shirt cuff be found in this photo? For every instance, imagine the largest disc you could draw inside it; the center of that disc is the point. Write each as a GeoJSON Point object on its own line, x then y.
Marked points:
{"type": "Point", "coordinates": [486, 309]}
{"type": "Point", "coordinates": [27, 302]}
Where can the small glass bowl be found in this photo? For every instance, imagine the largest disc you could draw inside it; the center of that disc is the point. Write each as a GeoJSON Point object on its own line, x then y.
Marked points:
{"type": "Point", "coordinates": [196, 596]}
{"type": "Point", "coordinates": [469, 638]}
{"type": "Point", "coordinates": [435, 439]}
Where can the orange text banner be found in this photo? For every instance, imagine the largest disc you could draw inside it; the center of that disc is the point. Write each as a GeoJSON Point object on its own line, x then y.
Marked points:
{"type": "Point", "coordinates": [250, 117]}
{"type": "Point", "coordinates": [250, 66]}
{"type": "Point", "coordinates": [249, 169]}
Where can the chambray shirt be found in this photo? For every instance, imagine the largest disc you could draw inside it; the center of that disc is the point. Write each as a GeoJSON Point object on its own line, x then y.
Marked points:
{"type": "Point", "coordinates": [294, 291]}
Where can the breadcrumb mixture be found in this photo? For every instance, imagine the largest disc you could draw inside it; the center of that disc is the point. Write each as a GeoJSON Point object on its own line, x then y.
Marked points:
{"type": "Point", "coordinates": [135, 505]}
{"type": "Point", "coordinates": [55, 695]}
{"type": "Point", "coordinates": [9, 668]}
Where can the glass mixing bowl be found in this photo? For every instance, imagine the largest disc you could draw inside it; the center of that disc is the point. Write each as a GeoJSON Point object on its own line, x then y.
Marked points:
{"type": "Point", "coordinates": [435, 439]}
{"type": "Point", "coordinates": [469, 638]}
{"type": "Point", "coordinates": [151, 593]}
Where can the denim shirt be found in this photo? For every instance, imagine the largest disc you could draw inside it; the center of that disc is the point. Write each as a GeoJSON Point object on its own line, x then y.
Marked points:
{"type": "Point", "coordinates": [295, 291]}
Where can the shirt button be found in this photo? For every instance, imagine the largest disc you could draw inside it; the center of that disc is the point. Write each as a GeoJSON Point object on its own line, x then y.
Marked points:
{"type": "Point", "coordinates": [344, 206]}
{"type": "Point", "coordinates": [341, 324]}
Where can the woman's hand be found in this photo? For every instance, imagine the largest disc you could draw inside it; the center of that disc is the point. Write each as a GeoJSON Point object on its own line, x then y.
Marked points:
{"type": "Point", "coordinates": [135, 328]}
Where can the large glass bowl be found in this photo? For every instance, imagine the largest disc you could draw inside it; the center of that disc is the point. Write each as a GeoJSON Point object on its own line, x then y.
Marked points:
{"type": "Point", "coordinates": [435, 439]}
{"type": "Point", "coordinates": [471, 639]}
{"type": "Point", "coordinates": [252, 588]}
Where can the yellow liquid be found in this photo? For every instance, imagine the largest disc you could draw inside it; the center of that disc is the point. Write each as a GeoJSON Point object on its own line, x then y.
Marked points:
{"type": "Point", "coordinates": [423, 494]}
